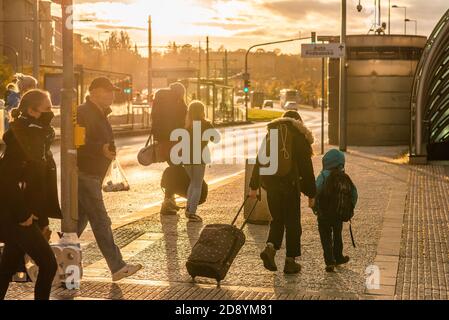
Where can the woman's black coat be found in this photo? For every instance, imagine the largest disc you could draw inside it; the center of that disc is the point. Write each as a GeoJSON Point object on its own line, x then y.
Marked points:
{"type": "Point", "coordinates": [28, 176]}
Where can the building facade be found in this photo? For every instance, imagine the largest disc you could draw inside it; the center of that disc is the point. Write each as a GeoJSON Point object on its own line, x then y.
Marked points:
{"type": "Point", "coordinates": [16, 33]}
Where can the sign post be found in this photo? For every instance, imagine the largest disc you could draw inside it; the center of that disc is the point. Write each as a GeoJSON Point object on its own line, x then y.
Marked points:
{"type": "Point", "coordinates": [323, 51]}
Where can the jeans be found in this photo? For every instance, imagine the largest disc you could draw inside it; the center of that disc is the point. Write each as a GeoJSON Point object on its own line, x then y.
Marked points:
{"type": "Point", "coordinates": [196, 174]}
{"type": "Point", "coordinates": [331, 240]}
{"type": "Point", "coordinates": [91, 209]}
{"type": "Point", "coordinates": [285, 209]}
{"type": "Point", "coordinates": [27, 240]}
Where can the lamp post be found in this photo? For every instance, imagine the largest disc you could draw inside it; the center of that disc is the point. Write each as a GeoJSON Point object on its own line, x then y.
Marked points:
{"type": "Point", "coordinates": [246, 63]}
{"type": "Point", "coordinates": [416, 24]}
{"type": "Point", "coordinates": [343, 108]}
{"type": "Point", "coordinates": [405, 16]}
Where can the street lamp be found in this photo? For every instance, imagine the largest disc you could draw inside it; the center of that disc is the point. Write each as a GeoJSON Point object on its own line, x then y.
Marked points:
{"type": "Point", "coordinates": [246, 75]}
{"type": "Point", "coordinates": [405, 16]}
{"type": "Point", "coordinates": [416, 25]}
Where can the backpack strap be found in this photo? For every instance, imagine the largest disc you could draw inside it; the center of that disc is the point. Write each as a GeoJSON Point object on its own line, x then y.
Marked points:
{"type": "Point", "coordinates": [352, 234]}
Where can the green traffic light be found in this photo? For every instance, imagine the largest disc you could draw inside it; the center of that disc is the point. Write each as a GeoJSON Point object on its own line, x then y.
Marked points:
{"type": "Point", "coordinates": [246, 90]}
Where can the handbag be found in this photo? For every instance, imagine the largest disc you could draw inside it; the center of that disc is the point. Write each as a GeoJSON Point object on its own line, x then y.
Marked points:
{"type": "Point", "coordinates": [147, 155]}
{"type": "Point", "coordinates": [155, 152]}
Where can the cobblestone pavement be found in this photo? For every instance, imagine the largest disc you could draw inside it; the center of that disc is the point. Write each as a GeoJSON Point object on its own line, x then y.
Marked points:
{"type": "Point", "coordinates": [162, 245]}
{"type": "Point", "coordinates": [424, 259]}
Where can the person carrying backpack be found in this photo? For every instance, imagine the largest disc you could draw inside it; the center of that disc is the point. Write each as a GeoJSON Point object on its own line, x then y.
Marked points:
{"type": "Point", "coordinates": [335, 203]}
{"type": "Point", "coordinates": [294, 176]}
{"type": "Point", "coordinates": [168, 113]}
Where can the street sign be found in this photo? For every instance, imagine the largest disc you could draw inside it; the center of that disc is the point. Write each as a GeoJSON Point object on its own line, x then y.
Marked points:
{"type": "Point", "coordinates": [328, 50]}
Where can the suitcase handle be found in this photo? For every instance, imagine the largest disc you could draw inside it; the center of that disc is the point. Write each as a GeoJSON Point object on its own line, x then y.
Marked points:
{"type": "Point", "coordinates": [259, 198]}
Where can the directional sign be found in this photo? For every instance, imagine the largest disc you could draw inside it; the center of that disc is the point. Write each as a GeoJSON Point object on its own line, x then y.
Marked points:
{"type": "Point", "coordinates": [329, 50]}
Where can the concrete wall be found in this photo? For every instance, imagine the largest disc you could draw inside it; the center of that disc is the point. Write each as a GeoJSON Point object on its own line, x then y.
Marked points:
{"type": "Point", "coordinates": [379, 90]}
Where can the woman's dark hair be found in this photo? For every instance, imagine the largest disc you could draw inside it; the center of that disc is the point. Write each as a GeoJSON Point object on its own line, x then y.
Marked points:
{"type": "Point", "coordinates": [32, 100]}
{"type": "Point", "coordinates": [292, 114]}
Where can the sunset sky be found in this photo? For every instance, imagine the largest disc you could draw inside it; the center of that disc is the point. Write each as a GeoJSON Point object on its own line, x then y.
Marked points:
{"type": "Point", "coordinates": [240, 23]}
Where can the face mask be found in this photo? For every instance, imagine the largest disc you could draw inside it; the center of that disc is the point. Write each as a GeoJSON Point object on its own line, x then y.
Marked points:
{"type": "Point", "coordinates": [46, 118]}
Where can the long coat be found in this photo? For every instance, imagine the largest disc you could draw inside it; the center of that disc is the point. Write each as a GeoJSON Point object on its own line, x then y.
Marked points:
{"type": "Point", "coordinates": [28, 176]}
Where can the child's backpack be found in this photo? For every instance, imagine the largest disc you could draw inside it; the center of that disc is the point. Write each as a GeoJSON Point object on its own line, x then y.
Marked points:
{"type": "Point", "coordinates": [335, 200]}
{"type": "Point", "coordinates": [285, 150]}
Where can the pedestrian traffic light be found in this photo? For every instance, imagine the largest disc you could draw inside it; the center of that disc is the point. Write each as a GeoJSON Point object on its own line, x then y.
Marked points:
{"type": "Point", "coordinates": [247, 86]}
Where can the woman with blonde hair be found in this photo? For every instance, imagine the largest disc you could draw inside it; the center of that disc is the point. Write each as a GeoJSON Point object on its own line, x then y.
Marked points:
{"type": "Point", "coordinates": [199, 157]}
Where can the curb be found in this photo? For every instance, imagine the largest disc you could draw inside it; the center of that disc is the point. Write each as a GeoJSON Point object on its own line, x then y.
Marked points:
{"type": "Point", "coordinates": [389, 246]}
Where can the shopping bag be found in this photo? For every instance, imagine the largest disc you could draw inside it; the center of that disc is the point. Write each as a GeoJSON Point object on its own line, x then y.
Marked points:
{"type": "Point", "coordinates": [115, 179]}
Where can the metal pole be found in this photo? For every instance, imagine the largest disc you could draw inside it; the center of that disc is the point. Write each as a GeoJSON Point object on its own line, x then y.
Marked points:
{"type": "Point", "coordinates": [342, 109]}
{"type": "Point", "coordinates": [226, 68]}
{"type": "Point", "coordinates": [207, 59]}
{"type": "Point", "coordinates": [322, 105]}
{"type": "Point", "coordinates": [150, 60]}
{"type": "Point", "coordinates": [389, 17]}
{"type": "Point", "coordinates": [246, 63]}
{"type": "Point", "coordinates": [207, 77]}
{"type": "Point", "coordinates": [405, 21]}
{"type": "Point", "coordinates": [379, 16]}
{"type": "Point", "coordinates": [36, 40]}
{"type": "Point", "coordinates": [198, 93]}
{"type": "Point", "coordinates": [69, 175]}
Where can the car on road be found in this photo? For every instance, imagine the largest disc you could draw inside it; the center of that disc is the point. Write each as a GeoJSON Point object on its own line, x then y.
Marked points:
{"type": "Point", "coordinates": [268, 104]}
{"type": "Point", "coordinates": [291, 105]}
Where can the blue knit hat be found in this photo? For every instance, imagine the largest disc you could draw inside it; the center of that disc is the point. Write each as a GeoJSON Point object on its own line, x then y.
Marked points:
{"type": "Point", "coordinates": [334, 159]}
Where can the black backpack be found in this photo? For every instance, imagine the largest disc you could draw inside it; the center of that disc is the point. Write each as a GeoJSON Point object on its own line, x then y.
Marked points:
{"type": "Point", "coordinates": [335, 200]}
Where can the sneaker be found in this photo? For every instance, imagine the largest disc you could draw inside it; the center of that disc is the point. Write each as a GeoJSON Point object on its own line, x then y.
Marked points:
{"type": "Point", "coordinates": [343, 260]}
{"type": "Point", "coordinates": [267, 257]}
{"type": "Point", "coordinates": [169, 207]}
{"type": "Point", "coordinates": [126, 271]}
{"type": "Point", "coordinates": [291, 266]}
{"type": "Point", "coordinates": [330, 268]}
{"type": "Point", "coordinates": [193, 217]}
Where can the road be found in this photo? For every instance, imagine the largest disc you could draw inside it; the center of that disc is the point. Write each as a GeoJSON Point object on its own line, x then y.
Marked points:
{"type": "Point", "coordinates": [145, 181]}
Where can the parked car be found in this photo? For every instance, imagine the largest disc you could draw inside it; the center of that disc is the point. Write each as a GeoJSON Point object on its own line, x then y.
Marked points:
{"type": "Point", "coordinates": [291, 105]}
{"type": "Point", "coordinates": [268, 104]}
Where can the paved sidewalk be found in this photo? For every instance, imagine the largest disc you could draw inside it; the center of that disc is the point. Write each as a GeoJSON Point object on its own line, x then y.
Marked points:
{"type": "Point", "coordinates": [390, 193]}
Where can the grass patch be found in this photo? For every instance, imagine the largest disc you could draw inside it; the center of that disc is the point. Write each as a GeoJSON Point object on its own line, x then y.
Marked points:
{"type": "Point", "coordinates": [263, 115]}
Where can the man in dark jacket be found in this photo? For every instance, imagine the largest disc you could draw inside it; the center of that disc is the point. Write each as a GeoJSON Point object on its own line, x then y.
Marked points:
{"type": "Point", "coordinates": [283, 194]}
{"type": "Point", "coordinates": [94, 159]}
{"type": "Point", "coordinates": [168, 113]}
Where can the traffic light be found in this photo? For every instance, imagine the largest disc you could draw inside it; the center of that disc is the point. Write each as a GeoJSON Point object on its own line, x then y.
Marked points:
{"type": "Point", "coordinates": [247, 86]}
{"type": "Point", "coordinates": [313, 37]}
{"type": "Point", "coordinates": [127, 87]}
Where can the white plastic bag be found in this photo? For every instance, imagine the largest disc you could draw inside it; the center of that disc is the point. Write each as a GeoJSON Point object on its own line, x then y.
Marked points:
{"type": "Point", "coordinates": [115, 179]}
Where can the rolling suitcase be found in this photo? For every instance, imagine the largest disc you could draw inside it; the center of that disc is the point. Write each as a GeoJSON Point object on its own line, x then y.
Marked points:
{"type": "Point", "coordinates": [216, 249]}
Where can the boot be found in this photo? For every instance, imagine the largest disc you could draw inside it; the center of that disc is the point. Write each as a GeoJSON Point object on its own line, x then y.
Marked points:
{"type": "Point", "coordinates": [267, 257]}
{"type": "Point", "coordinates": [291, 266]}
